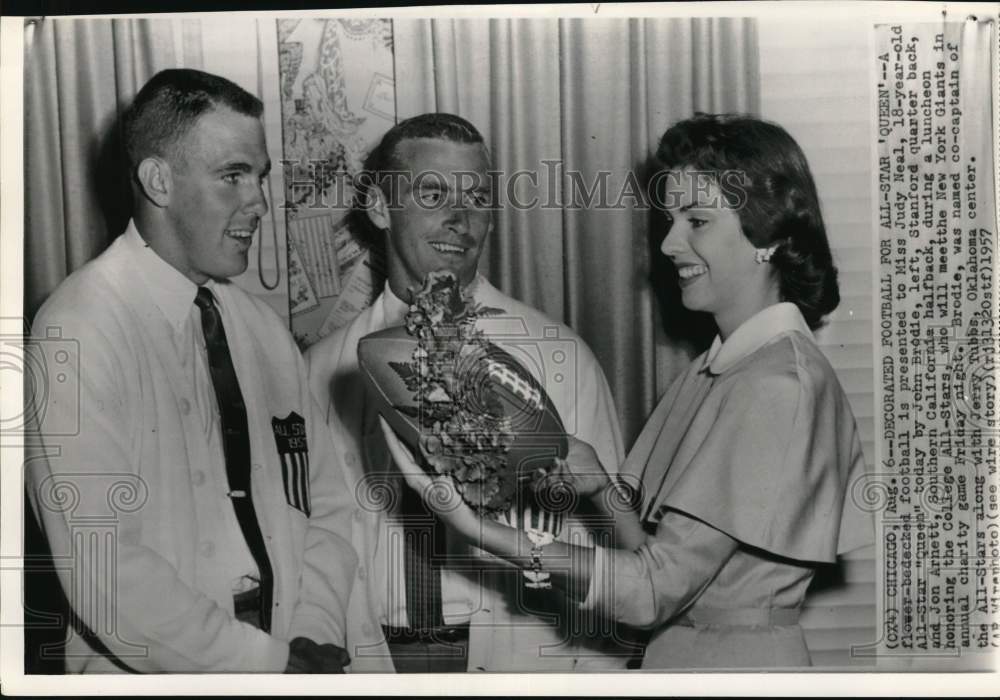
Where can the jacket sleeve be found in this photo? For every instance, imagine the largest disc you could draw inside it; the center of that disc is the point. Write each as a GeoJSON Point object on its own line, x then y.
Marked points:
{"type": "Point", "coordinates": [596, 422]}
{"type": "Point", "coordinates": [647, 587]}
{"type": "Point", "coordinates": [87, 490]}
{"type": "Point", "coordinates": [329, 559]}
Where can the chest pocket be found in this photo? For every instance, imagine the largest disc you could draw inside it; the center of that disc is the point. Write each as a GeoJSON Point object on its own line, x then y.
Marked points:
{"type": "Point", "coordinates": [290, 439]}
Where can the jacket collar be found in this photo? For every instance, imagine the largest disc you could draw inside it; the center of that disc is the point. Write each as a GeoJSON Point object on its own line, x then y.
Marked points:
{"type": "Point", "coordinates": [171, 292]}
{"type": "Point", "coordinates": [753, 334]}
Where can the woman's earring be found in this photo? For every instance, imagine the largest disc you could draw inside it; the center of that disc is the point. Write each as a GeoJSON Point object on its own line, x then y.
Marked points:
{"type": "Point", "coordinates": [763, 255]}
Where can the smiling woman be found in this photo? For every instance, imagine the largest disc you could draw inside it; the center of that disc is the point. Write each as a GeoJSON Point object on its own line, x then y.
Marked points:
{"type": "Point", "coordinates": [715, 262]}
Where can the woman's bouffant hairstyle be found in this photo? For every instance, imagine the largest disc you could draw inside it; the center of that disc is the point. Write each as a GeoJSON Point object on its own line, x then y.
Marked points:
{"type": "Point", "coordinates": [777, 202]}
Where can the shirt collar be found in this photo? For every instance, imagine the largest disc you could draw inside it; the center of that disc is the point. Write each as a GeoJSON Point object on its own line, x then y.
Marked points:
{"type": "Point", "coordinates": [394, 309]}
{"type": "Point", "coordinates": [172, 292]}
{"type": "Point", "coordinates": [753, 334]}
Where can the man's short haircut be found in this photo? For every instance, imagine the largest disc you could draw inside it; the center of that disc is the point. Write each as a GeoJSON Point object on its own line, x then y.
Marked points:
{"type": "Point", "coordinates": [433, 125]}
{"type": "Point", "coordinates": [384, 159]}
{"type": "Point", "coordinates": [169, 105]}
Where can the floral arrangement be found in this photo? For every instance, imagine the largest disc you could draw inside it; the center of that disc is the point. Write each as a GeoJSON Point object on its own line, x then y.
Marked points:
{"type": "Point", "coordinates": [464, 432]}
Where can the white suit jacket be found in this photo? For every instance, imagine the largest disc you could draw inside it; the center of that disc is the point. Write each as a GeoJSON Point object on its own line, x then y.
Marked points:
{"type": "Point", "coordinates": [138, 523]}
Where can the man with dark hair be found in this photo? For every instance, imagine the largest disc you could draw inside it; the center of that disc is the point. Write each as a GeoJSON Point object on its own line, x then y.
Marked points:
{"type": "Point", "coordinates": [426, 195]}
{"type": "Point", "coordinates": [230, 551]}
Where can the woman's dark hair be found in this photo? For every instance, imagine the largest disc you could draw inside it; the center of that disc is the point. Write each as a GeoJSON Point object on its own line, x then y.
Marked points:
{"type": "Point", "coordinates": [764, 174]}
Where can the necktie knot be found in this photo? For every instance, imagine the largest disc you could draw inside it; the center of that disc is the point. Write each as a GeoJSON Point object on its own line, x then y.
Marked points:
{"type": "Point", "coordinates": [204, 299]}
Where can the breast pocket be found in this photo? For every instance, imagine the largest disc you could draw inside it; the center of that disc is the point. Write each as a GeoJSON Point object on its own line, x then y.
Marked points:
{"type": "Point", "coordinates": [293, 450]}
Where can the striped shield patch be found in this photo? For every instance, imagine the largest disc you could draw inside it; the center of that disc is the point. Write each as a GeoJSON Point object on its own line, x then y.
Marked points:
{"type": "Point", "coordinates": [290, 438]}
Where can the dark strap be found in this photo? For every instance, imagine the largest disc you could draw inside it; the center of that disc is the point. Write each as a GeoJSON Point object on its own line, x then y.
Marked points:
{"type": "Point", "coordinates": [246, 606]}
{"type": "Point", "coordinates": [235, 444]}
{"type": "Point", "coordinates": [441, 635]}
{"type": "Point", "coordinates": [423, 550]}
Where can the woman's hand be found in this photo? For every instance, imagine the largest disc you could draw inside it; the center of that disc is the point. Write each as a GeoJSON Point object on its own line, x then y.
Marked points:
{"type": "Point", "coordinates": [581, 471]}
{"type": "Point", "coordinates": [438, 492]}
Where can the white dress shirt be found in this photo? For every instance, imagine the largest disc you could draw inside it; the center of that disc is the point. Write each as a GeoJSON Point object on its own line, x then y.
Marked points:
{"type": "Point", "coordinates": [133, 497]}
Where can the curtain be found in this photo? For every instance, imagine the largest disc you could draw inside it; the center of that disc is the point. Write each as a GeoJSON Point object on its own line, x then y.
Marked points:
{"type": "Point", "coordinates": [79, 74]}
{"type": "Point", "coordinates": [593, 96]}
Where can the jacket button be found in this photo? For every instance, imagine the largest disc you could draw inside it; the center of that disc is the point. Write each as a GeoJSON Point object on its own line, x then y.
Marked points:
{"type": "Point", "coordinates": [257, 466]}
{"type": "Point", "coordinates": [198, 478]}
{"type": "Point", "coordinates": [185, 406]}
{"type": "Point", "coordinates": [207, 549]}
{"type": "Point", "coordinates": [366, 629]}
{"type": "Point", "coordinates": [362, 574]}
{"type": "Point", "coordinates": [350, 459]}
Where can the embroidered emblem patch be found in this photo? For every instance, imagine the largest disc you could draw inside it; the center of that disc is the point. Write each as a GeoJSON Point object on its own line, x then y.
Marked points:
{"type": "Point", "coordinates": [290, 438]}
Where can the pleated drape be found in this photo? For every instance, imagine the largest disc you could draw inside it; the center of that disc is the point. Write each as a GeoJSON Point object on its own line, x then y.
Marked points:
{"type": "Point", "coordinates": [585, 99]}
{"type": "Point", "coordinates": [556, 100]}
{"type": "Point", "coordinates": [79, 74]}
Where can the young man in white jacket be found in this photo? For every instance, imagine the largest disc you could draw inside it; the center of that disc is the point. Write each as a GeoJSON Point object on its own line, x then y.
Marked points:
{"type": "Point", "coordinates": [428, 204]}
{"type": "Point", "coordinates": [196, 510]}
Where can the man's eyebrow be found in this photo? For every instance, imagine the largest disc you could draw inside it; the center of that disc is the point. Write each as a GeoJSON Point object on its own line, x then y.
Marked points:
{"type": "Point", "coordinates": [238, 165]}
{"type": "Point", "coordinates": [242, 166]}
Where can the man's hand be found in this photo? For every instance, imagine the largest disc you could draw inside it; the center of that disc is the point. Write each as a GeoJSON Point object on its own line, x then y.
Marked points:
{"type": "Point", "coordinates": [306, 656]}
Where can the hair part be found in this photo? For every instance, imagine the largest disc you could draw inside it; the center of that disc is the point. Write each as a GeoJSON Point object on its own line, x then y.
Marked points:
{"type": "Point", "coordinates": [432, 125]}
{"type": "Point", "coordinates": [778, 202]}
{"type": "Point", "coordinates": [169, 105]}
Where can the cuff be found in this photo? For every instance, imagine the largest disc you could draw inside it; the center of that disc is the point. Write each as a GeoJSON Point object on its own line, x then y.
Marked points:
{"type": "Point", "coordinates": [266, 654]}
{"type": "Point", "coordinates": [316, 628]}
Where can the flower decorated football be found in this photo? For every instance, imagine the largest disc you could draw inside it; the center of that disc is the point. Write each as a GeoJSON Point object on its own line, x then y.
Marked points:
{"type": "Point", "coordinates": [471, 410]}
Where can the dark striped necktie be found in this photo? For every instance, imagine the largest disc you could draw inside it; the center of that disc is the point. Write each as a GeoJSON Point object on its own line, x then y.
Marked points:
{"type": "Point", "coordinates": [424, 545]}
{"type": "Point", "coordinates": [235, 443]}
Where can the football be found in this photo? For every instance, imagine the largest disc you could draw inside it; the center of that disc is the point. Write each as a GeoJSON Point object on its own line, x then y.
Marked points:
{"type": "Point", "coordinates": [482, 382]}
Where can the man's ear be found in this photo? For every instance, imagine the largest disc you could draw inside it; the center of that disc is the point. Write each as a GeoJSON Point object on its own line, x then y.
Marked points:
{"type": "Point", "coordinates": [377, 208]}
{"type": "Point", "coordinates": [155, 179]}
